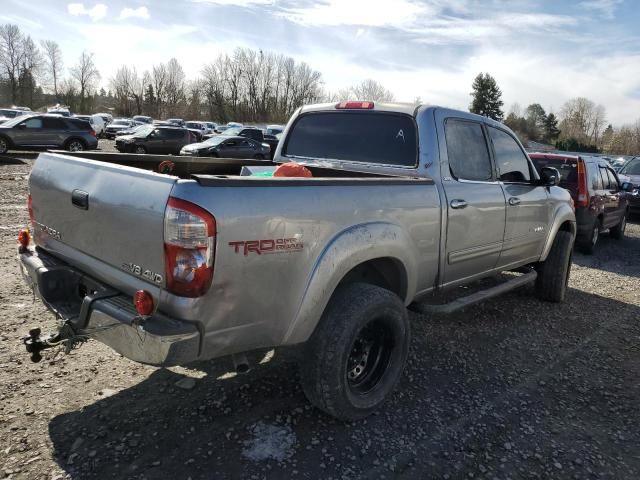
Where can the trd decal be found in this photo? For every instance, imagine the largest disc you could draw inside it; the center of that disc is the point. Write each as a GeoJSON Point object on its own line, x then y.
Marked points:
{"type": "Point", "coordinates": [278, 245]}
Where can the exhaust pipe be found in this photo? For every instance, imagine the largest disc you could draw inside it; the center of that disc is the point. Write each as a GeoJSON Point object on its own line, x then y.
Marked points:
{"type": "Point", "coordinates": [240, 363]}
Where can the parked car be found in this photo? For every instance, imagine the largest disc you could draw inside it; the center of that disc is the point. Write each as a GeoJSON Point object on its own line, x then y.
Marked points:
{"type": "Point", "coordinates": [176, 121]}
{"type": "Point", "coordinates": [107, 117]}
{"type": "Point", "coordinates": [201, 127]}
{"type": "Point", "coordinates": [193, 267]}
{"type": "Point", "coordinates": [631, 171]}
{"type": "Point", "coordinates": [601, 201]}
{"type": "Point", "coordinates": [117, 125]}
{"type": "Point", "coordinates": [274, 129]}
{"type": "Point", "coordinates": [154, 140]}
{"type": "Point", "coordinates": [9, 113]}
{"type": "Point", "coordinates": [211, 127]}
{"type": "Point", "coordinates": [131, 130]}
{"type": "Point", "coordinates": [96, 121]}
{"type": "Point", "coordinates": [255, 134]}
{"type": "Point", "coordinates": [59, 110]}
{"type": "Point", "coordinates": [47, 131]}
{"type": "Point", "coordinates": [142, 119]}
{"type": "Point", "coordinates": [23, 109]}
{"type": "Point", "coordinates": [228, 147]}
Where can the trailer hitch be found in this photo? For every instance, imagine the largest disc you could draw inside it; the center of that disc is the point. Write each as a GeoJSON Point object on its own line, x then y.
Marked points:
{"type": "Point", "coordinates": [66, 337]}
{"type": "Point", "coordinates": [34, 343]}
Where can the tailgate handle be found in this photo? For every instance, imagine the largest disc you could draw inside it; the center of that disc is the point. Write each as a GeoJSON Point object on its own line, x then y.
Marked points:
{"type": "Point", "coordinates": [80, 199]}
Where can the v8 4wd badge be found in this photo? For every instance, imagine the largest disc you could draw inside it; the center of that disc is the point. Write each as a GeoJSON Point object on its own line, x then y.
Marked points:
{"type": "Point", "coordinates": [142, 272]}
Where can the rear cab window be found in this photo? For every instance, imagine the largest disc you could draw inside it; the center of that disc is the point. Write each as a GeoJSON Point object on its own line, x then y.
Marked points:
{"type": "Point", "coordinates": [567, 166]}
{"type": "Point", "coordinates": [383, 138]}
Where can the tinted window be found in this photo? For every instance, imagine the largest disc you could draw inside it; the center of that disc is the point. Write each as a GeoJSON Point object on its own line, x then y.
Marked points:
{"type": "Point", "coordinates": [33, 123]}
{"type": "Point", "coordinates": [371, 137]}
{"type": "Point", "coordinates": [594, 177]}
{"type": "Point", "coordinates": [173, 134]}
{"type": "Point", "coordinates": [511, 161]}
{"type": "Point", "coordinates": [57, 123]}
{"type": "Point", "coordinates": [467, 150]}
{"type": "Point", "coordinates": [632, 168]}
{"type": "Point", "coordinates": [568, 168]}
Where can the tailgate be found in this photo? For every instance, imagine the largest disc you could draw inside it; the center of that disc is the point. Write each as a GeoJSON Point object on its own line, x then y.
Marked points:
{"type": "Point", "coordinates": [111, 213]}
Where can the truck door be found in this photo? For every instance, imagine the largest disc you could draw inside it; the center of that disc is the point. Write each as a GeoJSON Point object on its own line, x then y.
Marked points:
{"type": "Point", "coordinates": [527, 202]}
{"type": "Point", "coordinates": [475, 202]}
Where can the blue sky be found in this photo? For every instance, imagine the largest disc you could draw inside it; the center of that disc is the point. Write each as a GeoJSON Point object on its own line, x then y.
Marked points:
{"type": "Point", "coordinates": [539, 51]}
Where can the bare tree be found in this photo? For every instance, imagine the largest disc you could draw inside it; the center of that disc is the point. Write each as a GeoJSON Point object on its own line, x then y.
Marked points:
{"type": "Point", "coordinates": [371, 90]}
{"type": "Point", "coordinates": [175, 86]}
{"type": "Point", "coordinates": [55, 64]}
{"type": "Point", "coordinates": [11, 55]}
{"type": "Point", "coordinates": [86, 74]}
{"type": "Point", "coordinates": [30, 70]}
{"type": "Point", "coordinates": [583, 120]}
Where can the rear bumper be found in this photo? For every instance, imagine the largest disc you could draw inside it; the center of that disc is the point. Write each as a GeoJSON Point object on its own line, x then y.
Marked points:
{"type": "Point", "coordinates": [108, 315]}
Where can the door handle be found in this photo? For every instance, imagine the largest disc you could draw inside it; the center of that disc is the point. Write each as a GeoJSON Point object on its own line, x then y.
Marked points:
{"type": "Point", "coordinates": [514, 201]}
{"type": "Point", "coordinates": [458, 203]}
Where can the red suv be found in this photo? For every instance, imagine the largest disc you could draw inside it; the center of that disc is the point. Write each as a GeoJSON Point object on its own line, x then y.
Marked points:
{"type": "Point", "coordinates": [600, 200]}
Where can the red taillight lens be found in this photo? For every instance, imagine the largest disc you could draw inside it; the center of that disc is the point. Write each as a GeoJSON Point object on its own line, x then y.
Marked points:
{"type": "Point", "coordinates": [30, 208]}
{"type": "Point", "coordinates": [583, 193]}
{"type": "Point", "coordinates": [92, 133]}
{"type": "Point", "coordinates": [24, 237]}
{"type": "Point", "coordinates": [354, 105]}
{"type": "Point", "coordinates": [189, 247]}
{"type": "Point", "coordinates": [143, 301]}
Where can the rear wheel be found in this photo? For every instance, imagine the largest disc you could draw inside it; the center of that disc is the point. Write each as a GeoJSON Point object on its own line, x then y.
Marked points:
{"type": "Point", "coordinates": [588, 246]}
{"type": "Point", "coordinates": [4, 145]}
{"type": "Point", "coordinates": [553, 273]}
{"type": "Point", "coordinates": [357, 353]}
{"type": "Point", "coordinates": [617, 232]}
{"type": "Point", "coordinates": [75, 145]}
{"type": "Point", "coordinates": [140, 150]}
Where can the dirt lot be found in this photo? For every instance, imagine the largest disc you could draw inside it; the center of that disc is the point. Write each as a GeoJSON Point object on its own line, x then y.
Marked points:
{"type": "Point", "coordinates": [515, 388]}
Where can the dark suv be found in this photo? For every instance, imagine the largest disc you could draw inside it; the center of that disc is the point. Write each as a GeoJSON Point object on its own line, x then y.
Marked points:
{"type": "Point", "coordinates": [631, 171]}
{"type": "Point", "coordinates": [154, 139]}
{"type": "Point", "coordinates": [600, 200]}
{"type": "Point", "coordinates": [47, 131]}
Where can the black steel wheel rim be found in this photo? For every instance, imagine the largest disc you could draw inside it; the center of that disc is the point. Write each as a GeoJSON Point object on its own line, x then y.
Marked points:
{"type": "Point", "coordinates": [369, 356]}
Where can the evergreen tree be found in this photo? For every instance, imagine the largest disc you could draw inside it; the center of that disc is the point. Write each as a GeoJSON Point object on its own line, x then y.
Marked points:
{"type": "Point", "coordinates": [536, 118]}
{"type": "Point", "coordinates": [607, 139]}
{"type": "Point", "coordinates": [551, 130]}
{"type": "Point", "coordinates": [487, 97]}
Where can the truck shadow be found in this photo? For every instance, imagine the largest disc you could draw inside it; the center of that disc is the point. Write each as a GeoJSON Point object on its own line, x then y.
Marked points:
{"type": "Point", "coordinates": [481, 387]}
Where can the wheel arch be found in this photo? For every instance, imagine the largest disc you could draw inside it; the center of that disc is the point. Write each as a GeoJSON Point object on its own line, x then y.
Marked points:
{"type": "Point", "coordinates": [564, 219]}
{"type": "Point", "coordinates": [375, 253]}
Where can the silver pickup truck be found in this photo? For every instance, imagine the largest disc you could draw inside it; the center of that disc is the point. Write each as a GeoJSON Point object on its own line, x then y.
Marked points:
{"type": "Point", "coordinates": [201, 262]}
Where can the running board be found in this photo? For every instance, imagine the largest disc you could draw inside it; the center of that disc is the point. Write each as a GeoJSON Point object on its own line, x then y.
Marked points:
{"type": "Point", "coordinates": [477, 297]}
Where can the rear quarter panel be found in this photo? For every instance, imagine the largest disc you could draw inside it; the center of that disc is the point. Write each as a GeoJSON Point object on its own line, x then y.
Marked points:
{"type": "Point", "coordinates": [257, 299]}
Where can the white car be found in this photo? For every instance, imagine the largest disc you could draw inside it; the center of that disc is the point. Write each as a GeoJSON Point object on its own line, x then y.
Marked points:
{"type": "Point", "coordinates": [96, 122]}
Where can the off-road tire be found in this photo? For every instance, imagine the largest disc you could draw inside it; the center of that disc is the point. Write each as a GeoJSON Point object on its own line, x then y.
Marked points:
{"type": "Point", "coordinates": [617, 232]}
{"type": "Point", "coordinates": [354, 309]}
{"type": "Point", "coordinates": [4, 145]}
{"type": "Point", "coordinates": [553, 273]}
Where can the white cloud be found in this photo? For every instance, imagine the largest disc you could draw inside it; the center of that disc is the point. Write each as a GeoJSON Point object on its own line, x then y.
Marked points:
{"type": "Point", "coordinates": [98, 11]}
{"type": "Point", "coordinates": [237, 3]}
{"type": "Point", "coordinates": [140, 12]}
{"type": "Point", "coordinates": [372, 13]}
{"type": "Point", "coordinates": [605, 7]}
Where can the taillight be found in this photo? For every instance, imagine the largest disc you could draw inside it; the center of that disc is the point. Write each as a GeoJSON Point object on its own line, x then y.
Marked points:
{"type": "Point", "coordinates": [143, 301]}
{"type": "Point", "coordinates": [189, 248]}
{"type": "Point", "coordinates": [354, 105]}
{"type": "Point", "coordinates": [30, 208]}
{"type": "Point", "coordinates": [583, 193]}
{"type": "Point", "coordinates": [92, 132]}
{"type": "Point", "coordinates": [24, 237]}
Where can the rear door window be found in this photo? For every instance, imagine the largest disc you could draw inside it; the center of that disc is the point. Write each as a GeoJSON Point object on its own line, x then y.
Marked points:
{"type": "Point", "coordinates": [511, 161]}
{"type": "Point", "coordinates": [613, 182]}
{"type": "Point", "coordinates": [467, 151]}
{"type": "Point", "coordinates": [371, 137]}
{"type": "Point", "coordinates": [594, 177]}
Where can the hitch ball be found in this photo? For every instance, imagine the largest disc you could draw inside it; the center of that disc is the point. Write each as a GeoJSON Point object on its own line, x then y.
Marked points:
{"type": "Point", "coordinates": [34, 344]}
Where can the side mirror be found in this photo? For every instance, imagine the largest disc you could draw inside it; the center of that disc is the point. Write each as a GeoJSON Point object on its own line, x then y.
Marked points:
{"type": "Point", "coordinates": [21, 126]}
{"type": "Point", "coordinates": [550, 176]}
{"type": "Point", "coordinates": [628, 187]}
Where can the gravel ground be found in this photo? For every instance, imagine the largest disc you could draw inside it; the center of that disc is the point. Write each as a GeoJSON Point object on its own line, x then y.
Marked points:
{"type": "Point", "coordinates": [514, 388]}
